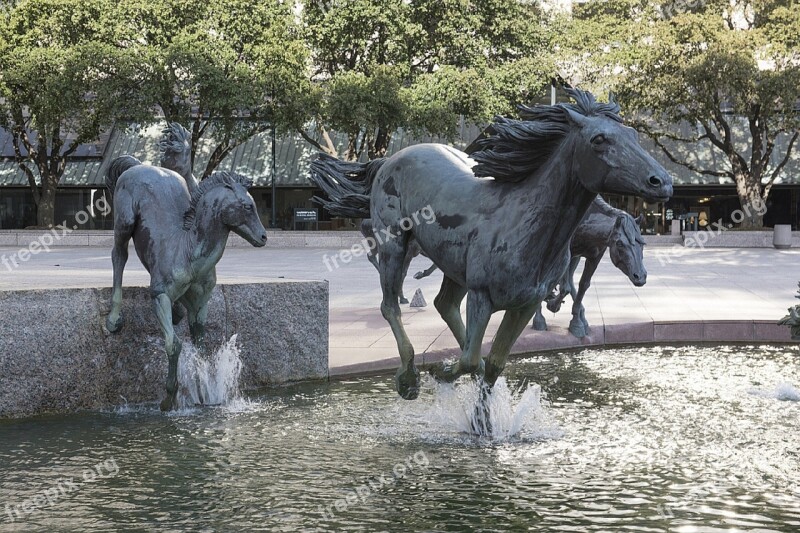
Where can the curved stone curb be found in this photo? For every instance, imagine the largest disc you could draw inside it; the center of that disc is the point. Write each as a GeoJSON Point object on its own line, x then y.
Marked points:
{"type": "Point", "coordinates": [717, 331]}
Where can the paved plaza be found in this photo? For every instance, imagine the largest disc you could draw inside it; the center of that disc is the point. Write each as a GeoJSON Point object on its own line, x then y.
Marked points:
{"type": "Point", "coordinates": [695, 295]}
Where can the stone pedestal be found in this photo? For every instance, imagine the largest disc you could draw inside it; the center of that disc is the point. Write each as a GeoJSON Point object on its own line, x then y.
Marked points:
{"type": "Point", "coordinates": [56, 355]}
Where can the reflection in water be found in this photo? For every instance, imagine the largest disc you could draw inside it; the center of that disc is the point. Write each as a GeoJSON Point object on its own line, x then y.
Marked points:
{"type": "Point", "coordinates": [650, 439]}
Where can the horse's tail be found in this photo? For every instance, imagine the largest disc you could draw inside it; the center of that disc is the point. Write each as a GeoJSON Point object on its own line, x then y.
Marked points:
{"type": "Point", "coordinates": [115, 170]}
{"type": "Point", "coordinates": [347, 185]}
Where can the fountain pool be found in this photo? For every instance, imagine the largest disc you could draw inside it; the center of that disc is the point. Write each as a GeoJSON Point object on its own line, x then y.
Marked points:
{"type": "Point", "coordinates": [631, 439]}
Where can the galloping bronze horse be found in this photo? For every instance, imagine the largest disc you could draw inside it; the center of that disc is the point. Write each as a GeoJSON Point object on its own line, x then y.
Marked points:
{"type": "Point", "coordinates": [179, 239]}
{"type": "Point", "coordinates": [603, 228]}
{"type": "Point", "coordinates": [503, 226]}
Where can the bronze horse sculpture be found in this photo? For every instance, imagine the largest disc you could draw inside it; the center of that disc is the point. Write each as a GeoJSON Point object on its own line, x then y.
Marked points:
{"type": "Point", "coordinates": [179, 238]}
{"type": "Point", "coordinates": [502, 226]}
{"type": "Point", "coordinates": [603, 228]}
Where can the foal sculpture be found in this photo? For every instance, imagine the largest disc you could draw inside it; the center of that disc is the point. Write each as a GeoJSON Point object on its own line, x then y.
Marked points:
{"type": "Point", "coordinates": [502, 227]}
{"type": "Point", "coordinates": [603, 228]}
{"type": "Point", "coordinates": [179, 239]}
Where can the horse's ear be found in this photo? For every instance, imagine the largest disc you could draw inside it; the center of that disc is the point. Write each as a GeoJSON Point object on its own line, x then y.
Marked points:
{"type": "Point", "coordinates": [574, 118]}
{"type": "Point", "coordinates": [618, 223]}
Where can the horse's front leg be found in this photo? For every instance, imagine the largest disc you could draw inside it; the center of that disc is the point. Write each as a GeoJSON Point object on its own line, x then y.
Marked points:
{"type": "Point", "coordinates": [119, 257]}
{"type": "Point", "coordinates": [565, 286]}
{"type": "Point", "coordinates": [578, 326]}
{"type": "Point", "coordinates": [479, 311]}
{"type": "Point", "coordinates": [539, 322]}
{"type": "Point", "coordinates": [172, 346]}
{"type": "Point", "coordinates": [511, 327]}
{"type": "Point", "coordinates": [195, 300]}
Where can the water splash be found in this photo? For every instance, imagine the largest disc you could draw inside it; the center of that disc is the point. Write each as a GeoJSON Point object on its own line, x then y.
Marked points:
{"type": "Point", "coordinates": [211, 381]}
{"type": "Point", "coordinates": [783, 391]}
{"type": "Point", "coordinates": [510, 413]}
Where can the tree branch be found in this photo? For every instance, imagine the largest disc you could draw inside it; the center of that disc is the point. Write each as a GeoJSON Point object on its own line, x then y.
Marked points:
{"type": "Point", "coordinates": [785, 159]}
{"type": "Point", "coordinates": [313, 142]}
{"type": "Point", "coordinates": [686, 164]}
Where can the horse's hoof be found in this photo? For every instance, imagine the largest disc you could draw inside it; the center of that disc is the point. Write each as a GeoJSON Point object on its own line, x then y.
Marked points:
{"type": "Point", "coordinates": [407, 383]}
{"type": "Point", "coordinates": [539, 325]}
{"type": "Point", "coordinates": [404, 300]}
{"type": "Point", "coordinates": [445, 372]}
{"type": "Point", "coordinates": [168, 404]}
{"type": "Point", "coordinates": [553, 306]}
{"type": "Point", "coordinates": [114, 326]}
{"type": "Point", "coordinates": [577, 329]}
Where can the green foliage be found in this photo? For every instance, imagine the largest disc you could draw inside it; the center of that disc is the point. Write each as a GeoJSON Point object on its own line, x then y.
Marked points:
{"type": "Point", "coordinates": [227, 68]}
{"type": "Point", "coordinates": [59, 87]}
{"type": "Point", "coordinates": [729, 70]}
{"type": "Point", "coordinates": [421, 64]}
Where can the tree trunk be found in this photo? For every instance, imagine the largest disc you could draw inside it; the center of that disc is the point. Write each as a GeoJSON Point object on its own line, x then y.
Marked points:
{"type": "Point", "coordinates": [46, 207]}
{"type": "Point", "coordinates": [751, 215]}
{"type": "Point", "coordinates": [381, 144]}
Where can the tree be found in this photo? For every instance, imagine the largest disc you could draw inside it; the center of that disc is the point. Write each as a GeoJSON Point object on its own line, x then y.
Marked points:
{"type": "Point", "coordinates": [420, 64]}
{"type": "Point", "coordinates": [728, 71]}
{"type": "Point", "coordinates": [228, 69]}
{"type": "Point", "coordinates": [59, 88]}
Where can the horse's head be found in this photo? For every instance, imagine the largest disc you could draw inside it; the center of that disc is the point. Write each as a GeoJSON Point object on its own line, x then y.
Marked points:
{"type": "Point", "coordinates": [176, 149]}
{"type": "Point", "coordinates": [238, 212]}
{"type": "Point", "coordinates": [609, 158]}
{"type": "Point", "coordinates": [223, 196]}
{"type": "Point", "coordinates": [626, 248]}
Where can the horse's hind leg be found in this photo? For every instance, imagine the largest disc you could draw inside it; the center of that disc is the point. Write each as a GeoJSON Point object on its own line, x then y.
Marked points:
{"type": "Point", "coordinates": [479, 311]}
{"type": "Point", "coordinates": [123, 231]}
{"type": "Point", "coordinates": [369, 239]}
{"type": "Point", "coordinates": [448, 303]}
{"type": "Point", "coordinates": [392, 254]}
{"type": "Point", "coordinates": [410, 249]}
{"type": "Point", "coordinates": [172, 345]}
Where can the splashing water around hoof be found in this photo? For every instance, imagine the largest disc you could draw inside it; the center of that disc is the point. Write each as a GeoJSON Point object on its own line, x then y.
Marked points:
{"type": "Point", "coordinates": [213, 381]}
{"type": "Point", "coordinates": [498, 415]}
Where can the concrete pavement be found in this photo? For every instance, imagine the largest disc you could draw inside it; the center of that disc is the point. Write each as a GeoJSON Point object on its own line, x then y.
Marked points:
{"type": "Point", "coordinates": [691, 295]}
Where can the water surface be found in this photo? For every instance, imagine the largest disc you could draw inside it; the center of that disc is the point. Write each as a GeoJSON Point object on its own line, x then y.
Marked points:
{"type": "Point", "coordinates": [639, 439]}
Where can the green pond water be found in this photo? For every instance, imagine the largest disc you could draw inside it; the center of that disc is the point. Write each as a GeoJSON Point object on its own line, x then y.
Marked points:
{"type": "Point", "coordinates": [640, 439]}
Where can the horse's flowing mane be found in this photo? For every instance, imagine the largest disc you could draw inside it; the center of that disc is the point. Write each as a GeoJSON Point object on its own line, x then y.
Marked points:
{"type": "Point", "coordinates": [516, 149]}
{"type": "Point", "coordinates": [217, 179]}
{"type": "Point", "coordinates": [176, 141]}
